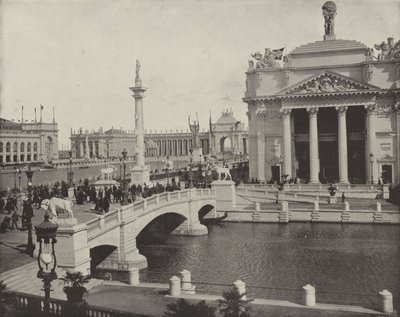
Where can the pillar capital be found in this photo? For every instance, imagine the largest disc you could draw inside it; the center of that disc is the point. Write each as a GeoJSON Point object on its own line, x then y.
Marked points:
{"type": "Point", "coordinates": [341, 109]}
{"type": "Point", "coordinates": [312, 111]}
{"type": "Point", "coordinates": [371, 109]}
{"type": "Point", "coordinates": [286, 112]}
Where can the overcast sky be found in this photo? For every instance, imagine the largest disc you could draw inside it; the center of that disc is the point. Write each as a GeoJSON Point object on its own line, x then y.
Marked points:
{"type": "Point", "coordinates": [79, 56]}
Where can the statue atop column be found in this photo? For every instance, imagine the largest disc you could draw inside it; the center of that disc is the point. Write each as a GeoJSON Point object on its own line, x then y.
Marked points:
{"type": "Point", "coordinates": [329, 12]}
{"type": "Point", "coordinates": [138, 81]}
{"type": "Point", "coordinates": [194, 128]}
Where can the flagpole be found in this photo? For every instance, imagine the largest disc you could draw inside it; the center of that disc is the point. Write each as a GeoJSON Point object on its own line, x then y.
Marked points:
{"type": "Point", "coordinates": [41, 110]}
{"type": "Point", "coordinates": [54, 117]}
{"type": "Point", "coordinates": [35, 114]}
{"type": "Point", "coordinates": [22, 112]}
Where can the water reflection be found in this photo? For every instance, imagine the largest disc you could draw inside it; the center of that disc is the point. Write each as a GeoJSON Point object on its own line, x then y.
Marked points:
{"type": "Point", "coordinates": [335, 257]}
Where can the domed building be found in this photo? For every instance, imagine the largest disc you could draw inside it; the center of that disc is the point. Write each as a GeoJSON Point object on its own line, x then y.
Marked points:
{"type": "Point", "coordinates": [329, 112]}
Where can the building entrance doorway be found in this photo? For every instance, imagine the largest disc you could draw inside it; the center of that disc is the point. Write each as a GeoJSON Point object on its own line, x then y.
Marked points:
{"type": "Point", "coordinates": [276, 173]}
{"type": "Point", "coordinates": [387, 174]}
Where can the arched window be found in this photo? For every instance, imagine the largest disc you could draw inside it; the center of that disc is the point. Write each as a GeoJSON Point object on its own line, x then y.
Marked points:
{"type": "Point", "coordinates": [1, 146]}
{"type": "Point", "coordinates": [22, 146]}
{"type": "Point", "coordinates": [28, 147]}
{"type": "Point", "coordinates": [35, 147]}
{"type": "Point", "coordinates": [15, 147]}
{"type": "Point", "coordinates": [8, 147]}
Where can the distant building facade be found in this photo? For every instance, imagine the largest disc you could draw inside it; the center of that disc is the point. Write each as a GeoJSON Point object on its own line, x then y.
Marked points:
{"type": "Point", "coordinates": [227, 135]}
{"type": "Point", "coordinates": [28, 142]}
{"type": "Point", "coordinates": [330, 112]}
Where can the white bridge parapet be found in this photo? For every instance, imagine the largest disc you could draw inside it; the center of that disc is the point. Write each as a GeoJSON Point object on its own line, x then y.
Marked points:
{"type": "Point", "coordinates": [120, 227]}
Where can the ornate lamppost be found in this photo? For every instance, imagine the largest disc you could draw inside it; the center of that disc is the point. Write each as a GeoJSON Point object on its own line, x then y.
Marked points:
{"type": "Point", "coordinates": [371, 162]}
{"type": "Point", "coordinates": [124, 195]}
{"type": "Point", "coordinates": [19, 180]}
{"type": "Point", "coordinates": [70, 175]}
{"type": "Point", "coordinates": [15, 179]}
{"type": "Point", "coordinates": [29, 246]}
{"type": "Point", "coordinates": [46, 237]}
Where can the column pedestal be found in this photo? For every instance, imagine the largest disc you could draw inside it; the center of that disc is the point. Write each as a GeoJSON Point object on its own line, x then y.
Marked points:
{"type": "Point", "coordinates": [287, 143]}
{"type": "Point", "coordinates": [225, 193]}
{"type": "Point", "coordinates": [140, 175]}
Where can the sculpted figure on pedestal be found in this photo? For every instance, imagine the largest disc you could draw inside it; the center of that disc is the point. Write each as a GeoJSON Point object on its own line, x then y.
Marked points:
{"type": "Point", "coordinates": [329, 12]}
{"type": "Point", "coordinates": [194, 128]}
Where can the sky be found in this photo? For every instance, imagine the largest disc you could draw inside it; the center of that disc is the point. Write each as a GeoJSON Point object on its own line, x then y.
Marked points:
{"type": "Point", "coordinates": [79, 56]}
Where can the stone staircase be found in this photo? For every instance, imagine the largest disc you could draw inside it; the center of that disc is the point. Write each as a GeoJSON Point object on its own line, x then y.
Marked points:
{"type": "Point", "coordinates": [346, 217]}
{"type": "Point", "coordinates": [315, 215]}
{"type": "Point", "coordinates": [24, 279]}
{"type": "Point", "coordinates": [256, 216]}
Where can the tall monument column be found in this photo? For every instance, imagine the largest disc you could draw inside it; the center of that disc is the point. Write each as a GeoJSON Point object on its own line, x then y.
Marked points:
{"type": "Point", "coordinates": [314, 156]}
{"type": "Point", "coordinates": [287, 143]}
{"type": "Point", "coordinates": [261, 156]}
{"type": "Point", "coordinates": [342, 145]}
{"type": "Point", "coordinates": [140, 173]}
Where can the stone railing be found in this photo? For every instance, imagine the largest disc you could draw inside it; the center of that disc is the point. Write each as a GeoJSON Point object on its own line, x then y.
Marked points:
{"type": "Point", "coordinates": [112, 219]}
{"type": "Point", "coordinates": [33, 305]}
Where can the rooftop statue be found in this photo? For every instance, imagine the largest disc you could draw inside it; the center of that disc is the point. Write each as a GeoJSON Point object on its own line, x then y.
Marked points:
{"type": "Point", "coordinates": [389, 50]}
{"type": "Point", "coordinates": [194, 128]}
{"type": "Point", "coordinates": [138, 81]}
{"type": "Point", "coordinates": [329, 12]}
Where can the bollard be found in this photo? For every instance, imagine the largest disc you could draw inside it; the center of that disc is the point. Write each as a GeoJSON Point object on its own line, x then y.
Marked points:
{"type": "Point", "coordinates": [309, 295]}
{"type": "Point", "coordinates": [186, 278]}
{"type": "Point", "coordinates": [378, 207]}
{"type": "Point", "coordinates": [316, 205]}
{"type": "Point", "coordinates": [241, 288]}
{"type": "Point", "coordinates": [257, 207]}
{"type": "Point", "coordinates": [346, 206]}
{"type": "Point", "coordinates": [134, 276]}
{"type": "Point", "coordinates": [174, 286]}
{"type": "Point", "coordinates": [387, 301]}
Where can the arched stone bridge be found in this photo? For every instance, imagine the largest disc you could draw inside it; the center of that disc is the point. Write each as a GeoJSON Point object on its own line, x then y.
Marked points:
{"type": "Point", "coordinates": [114, 234]}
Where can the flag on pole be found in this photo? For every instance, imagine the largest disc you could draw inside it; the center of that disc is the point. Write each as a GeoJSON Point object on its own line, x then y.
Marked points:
{"type": "Point", "coordinates": [211, 130]}
{"type": "Point", "coordinates": [278, 54]}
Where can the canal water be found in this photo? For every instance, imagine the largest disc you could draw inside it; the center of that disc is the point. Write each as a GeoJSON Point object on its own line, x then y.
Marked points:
{"type": "Point", "coordinates": [277, 259]}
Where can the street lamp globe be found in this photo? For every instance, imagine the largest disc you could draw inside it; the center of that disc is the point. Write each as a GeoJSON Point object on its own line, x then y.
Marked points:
{"type": "Point", "coordinates": [371, 158]}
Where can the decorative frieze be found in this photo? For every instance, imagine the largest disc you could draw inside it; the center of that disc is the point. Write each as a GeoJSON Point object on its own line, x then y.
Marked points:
{"type": "Point", "coordinates": [385, 109]}
{"type": "Point", "coordinates": [368, 72]}
{"type": "Point", "coordinates": [370, 108]}
{"type": "Point", "coordinates": [269, 114]}
{"type": "Point", "coordinates": [286, 76]}
{"type": "Point", "coordinates": [259, 78]}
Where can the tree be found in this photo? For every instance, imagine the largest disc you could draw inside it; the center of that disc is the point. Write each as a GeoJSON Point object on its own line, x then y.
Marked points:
{"type": "Point", "coordinates": [233, 304]}
{"type": "Point", "coordinates": [183, 308]}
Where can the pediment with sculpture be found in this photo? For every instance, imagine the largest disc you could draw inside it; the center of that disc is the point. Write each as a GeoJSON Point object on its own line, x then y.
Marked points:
{"type": "Point", "coordinates": [327, 82]}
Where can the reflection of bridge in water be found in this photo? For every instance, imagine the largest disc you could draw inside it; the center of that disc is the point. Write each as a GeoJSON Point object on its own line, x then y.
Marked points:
{"type": "Point", "coordinates": [108, 242]}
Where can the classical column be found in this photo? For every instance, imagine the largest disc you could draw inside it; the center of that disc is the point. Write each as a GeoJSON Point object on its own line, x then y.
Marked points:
{"type": "Point", "coordinates": [287, 143]}
{"type": "Point", "coordinates": [397, 111]}
{"type": "Point", "coordinates": [260, 156]}
{"type": "Point", "coordinates": [371, 145]}
{"type": "Point", "coordinates": [342, 145]}
{"type": "Point", "coordinates": [314, 159]}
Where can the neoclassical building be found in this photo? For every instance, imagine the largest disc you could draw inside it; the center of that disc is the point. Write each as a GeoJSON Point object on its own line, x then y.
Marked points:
{"type": "Point", "coordinates": [28, 142]}
{"type": "Point", "coordinates": [227, 135]}
{"type": "Point", "coordinates": [330, 111]}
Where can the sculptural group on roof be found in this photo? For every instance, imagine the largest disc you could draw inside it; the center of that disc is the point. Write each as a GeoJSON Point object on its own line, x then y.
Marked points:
{"type": "Point", "coordinates": [268, 60]}
{"type": "Point", "coordinates": [388, 50]}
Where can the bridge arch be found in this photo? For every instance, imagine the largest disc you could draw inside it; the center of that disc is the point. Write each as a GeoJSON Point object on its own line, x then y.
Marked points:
{"type": "Point", "coordinates": [204, 210]}
{"type": "Point", "coordinates": [152, 217]}
{"type": "Point", "coordinates": [102, 254]}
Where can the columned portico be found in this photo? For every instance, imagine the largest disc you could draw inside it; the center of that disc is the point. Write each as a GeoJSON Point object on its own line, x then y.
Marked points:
{"type": "Point", "coordinates": [287, 143]}
{"type": "Point", "coordinates": [314, 157]}
{"type": "Point", "coordinates": [342, 145]}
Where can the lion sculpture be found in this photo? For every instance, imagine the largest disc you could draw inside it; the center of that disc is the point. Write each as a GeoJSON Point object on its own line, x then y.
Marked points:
{"type": "Point", "coordinates": [57, 205]}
